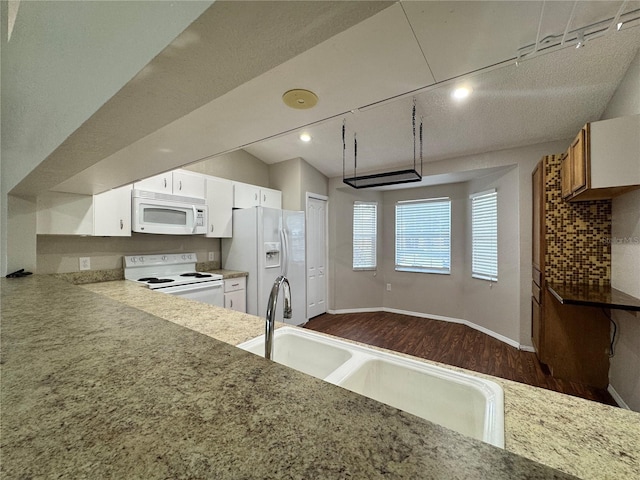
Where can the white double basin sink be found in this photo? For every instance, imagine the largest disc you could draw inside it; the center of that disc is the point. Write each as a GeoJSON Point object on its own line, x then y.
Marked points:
{"type": "Point", "coordinates": [469, 405]}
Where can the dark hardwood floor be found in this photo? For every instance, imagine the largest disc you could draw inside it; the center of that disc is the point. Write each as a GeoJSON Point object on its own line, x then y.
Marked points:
{"type": "Point", "coordinates": [450, 343]}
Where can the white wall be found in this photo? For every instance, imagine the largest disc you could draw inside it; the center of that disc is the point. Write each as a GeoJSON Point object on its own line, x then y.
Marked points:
{"type": "Point", "coordinates": [285, 176]}
{"type": "Point", "coordinates": [426, 292]}
{"type": "Point", "coordinates": [624, 376]}
{"type": "Point", "coordinates": [60, 253]}
{"type": "Point", "coordinates": [349, 289]}
{"type": "Point", "coordinates": [495, 306]}
{"type": "Point", "coordinates": [295, 178]}
{"type": "Point", "coordinates": [239, 165]}
{"type": "Point", "coordinates": [506, 309]}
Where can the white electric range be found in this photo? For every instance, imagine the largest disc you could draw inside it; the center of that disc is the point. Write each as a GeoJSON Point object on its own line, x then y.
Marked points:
{"type": "Point", "coordinates": [175, 274]}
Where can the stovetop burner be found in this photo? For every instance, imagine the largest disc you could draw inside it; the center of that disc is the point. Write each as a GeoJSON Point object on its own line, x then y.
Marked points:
{"type": "Point", "coordinates": [155, 280]}
{"type": "Point", "coordinates": [166, 271]}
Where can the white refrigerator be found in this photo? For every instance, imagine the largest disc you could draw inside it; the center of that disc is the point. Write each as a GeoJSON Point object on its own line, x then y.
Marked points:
{"type": "Point", "coordinates": [266, 243]}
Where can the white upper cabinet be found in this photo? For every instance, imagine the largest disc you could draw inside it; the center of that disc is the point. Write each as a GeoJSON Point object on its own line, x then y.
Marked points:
{"type": "Point", "coordinates": [64, 214]}
{"type": "Point", "coordinates": [112, 213]}
{"type": "Point", "coordinates": [188, 184]}
{"type": "Point", "coordinates": [219, 195]}
{"type": "Point", "coordinates": [247, 196]}
{"type": "Point", "coordinates": [270, 198]}
{"type": "Point", "coordinates": [106, 214]}
{"type": "Point", "coordinates": [162, 183]}
{"type": "Point", "coordinates": [178, 182]}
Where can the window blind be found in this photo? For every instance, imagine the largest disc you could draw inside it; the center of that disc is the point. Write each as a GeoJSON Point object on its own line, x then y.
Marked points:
{"type": "Point", "coordinates": [484, 235]}
{"type": "Point", "coordinates": [365, 220]}
{"type": "Point", "coordinates": [423, 236]}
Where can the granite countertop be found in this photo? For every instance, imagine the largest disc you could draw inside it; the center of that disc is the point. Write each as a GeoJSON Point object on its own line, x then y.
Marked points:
{"type": "Point", "coordinates": [96, 383]}
{"type": "Point", "coordinates": [594, 296]}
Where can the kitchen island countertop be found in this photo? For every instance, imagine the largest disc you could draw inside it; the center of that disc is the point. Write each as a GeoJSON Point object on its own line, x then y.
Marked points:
{"type": "Point", "coordinates": [95, 383]}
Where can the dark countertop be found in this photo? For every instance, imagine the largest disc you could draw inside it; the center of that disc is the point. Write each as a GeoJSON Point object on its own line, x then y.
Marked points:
{"type": "Point", "coordinates": [92, 388]}
{"type": "Point", "coordinates": [594, 296]}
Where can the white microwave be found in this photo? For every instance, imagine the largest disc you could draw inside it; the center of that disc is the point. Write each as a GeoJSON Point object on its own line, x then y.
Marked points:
{"type": "Point", "coordinates": [161, 213]}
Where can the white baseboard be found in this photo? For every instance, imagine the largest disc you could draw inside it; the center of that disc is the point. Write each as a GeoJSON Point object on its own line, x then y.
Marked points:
{"type": "Point", "coordinates": [527, 348]}
{"type": "Point", "coordinates": [616, 396]}
{"type": "Point", "coordinates": [355, 310]}
{"type": "Point", "coordinates": [491, 333]}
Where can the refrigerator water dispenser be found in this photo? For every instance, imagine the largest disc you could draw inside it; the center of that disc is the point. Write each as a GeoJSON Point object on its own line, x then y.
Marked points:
{"type": "Point", "coordinates": [272, 254]}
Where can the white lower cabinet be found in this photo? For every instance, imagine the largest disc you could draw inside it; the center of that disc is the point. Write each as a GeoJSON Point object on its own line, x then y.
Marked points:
{"type": "Point", "coordinates": [235, 294]}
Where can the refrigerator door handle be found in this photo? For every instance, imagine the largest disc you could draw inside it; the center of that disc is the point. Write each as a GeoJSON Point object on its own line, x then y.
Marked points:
{"type": "Point", "coordinates": [285, 251]}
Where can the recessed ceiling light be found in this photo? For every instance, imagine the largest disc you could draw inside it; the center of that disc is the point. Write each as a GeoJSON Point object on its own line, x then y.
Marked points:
{"type": "Point", "coordinates": [461, 92]}
{"type": "Point", "coordinates": [619, 25]}
{"type": "Point", "coordinates": [305, 137]}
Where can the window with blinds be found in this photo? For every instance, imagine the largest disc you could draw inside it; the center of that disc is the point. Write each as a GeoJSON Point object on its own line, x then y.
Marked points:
{"type": "Point", "coordinates": [365, 220]}
{"type": "Point", "coordinates": [484, 235]}
{"type": "Point", "coordinates": [423, 236]}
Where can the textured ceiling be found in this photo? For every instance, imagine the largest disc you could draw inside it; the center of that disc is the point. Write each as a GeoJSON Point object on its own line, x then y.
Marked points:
{"type": "Point", "coordinates": [229, 44]}
{"type": "Point", "coordinates": [543, 99]}
{"type": "Point", "coordinates": [366, 75]}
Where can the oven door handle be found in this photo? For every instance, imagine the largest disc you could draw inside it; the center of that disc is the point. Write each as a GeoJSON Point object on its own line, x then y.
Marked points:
{"type": "Point", "coordinates": [192, 287]}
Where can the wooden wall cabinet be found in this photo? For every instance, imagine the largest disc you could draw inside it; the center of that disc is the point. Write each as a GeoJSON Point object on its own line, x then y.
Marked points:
{"type": "Point", "coordinates": [575, 167]}
{"type": "Point", "coordinates": [603, 161]}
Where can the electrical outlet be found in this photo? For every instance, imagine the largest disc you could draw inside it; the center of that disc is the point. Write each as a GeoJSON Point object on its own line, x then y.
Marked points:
{"type": "Point", "coordinates": [85, 263]}
{"type": "Point", "coordinates": [388, 287]}
{"type": "Point", "coordinates": [212, 256]}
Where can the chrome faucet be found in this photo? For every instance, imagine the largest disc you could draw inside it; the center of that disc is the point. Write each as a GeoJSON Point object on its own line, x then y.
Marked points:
{"type": "Point", "coordinates": [271, 312]}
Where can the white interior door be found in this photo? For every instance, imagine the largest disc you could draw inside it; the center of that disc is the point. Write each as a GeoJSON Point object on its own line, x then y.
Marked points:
{"type": "Point", "coordinates": [316, 256]}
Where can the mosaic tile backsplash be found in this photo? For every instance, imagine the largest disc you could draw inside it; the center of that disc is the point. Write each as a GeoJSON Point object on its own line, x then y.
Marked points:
{"type": "Point", "coordinates": [578, 235]}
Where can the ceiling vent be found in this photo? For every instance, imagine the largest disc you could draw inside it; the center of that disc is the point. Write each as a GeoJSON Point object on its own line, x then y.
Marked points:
{"type": "Point", "coordinates": [300, 99]}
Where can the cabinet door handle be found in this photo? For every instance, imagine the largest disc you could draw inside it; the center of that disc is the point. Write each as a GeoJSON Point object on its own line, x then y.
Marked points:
{"type": "Point", "coordinates": [165, 182]}
{"type": "Point", "coordinates": [212, 228]}
{"type": "Point", "coordinates": [255, 197]}
{"type": "Point", "coordinates": [264, 198]}
{"type": "Point", "coordinates": [121, 224]}
{"type": "Point", "coordinates": [235, 284]}
{"type": "Point", "coordinates": [180, 185]}
{"type": "Point", "coordinates": [231, 303]}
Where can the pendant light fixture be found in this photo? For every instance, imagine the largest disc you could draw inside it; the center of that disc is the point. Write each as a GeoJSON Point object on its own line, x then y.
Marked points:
{"type": "Point", "coordinates": [395, 177]}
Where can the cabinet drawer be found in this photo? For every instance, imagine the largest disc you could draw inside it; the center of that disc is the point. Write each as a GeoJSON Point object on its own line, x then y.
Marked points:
{"type": "Point", "coordinates": [537, 277]}
{"type": "Point", "coordinates": [233, 284]}
{"type": "Point", "coordinates": [535, 292]}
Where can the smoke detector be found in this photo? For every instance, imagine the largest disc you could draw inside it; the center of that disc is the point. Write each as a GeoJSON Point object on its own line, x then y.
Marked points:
{"type": "Point", "coordinates": [300, 99]}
